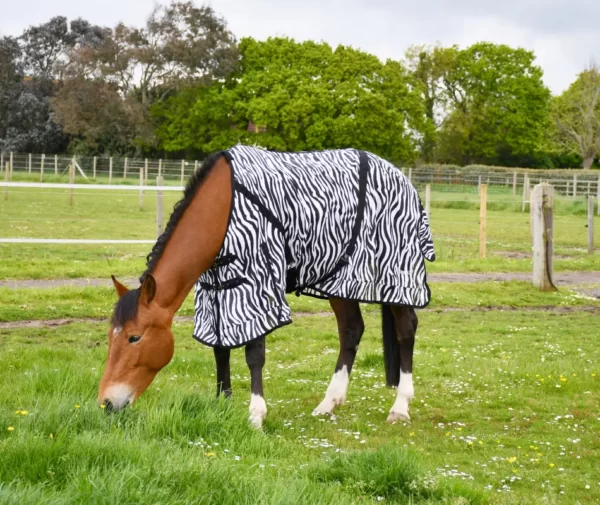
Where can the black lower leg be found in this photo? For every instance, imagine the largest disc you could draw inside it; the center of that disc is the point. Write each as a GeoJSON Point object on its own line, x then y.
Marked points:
{"type": "Point", "coordinates": [223, 375]}
{"type": "Point", "coordinates": [255, 359]}
{"type": "Point", "coordinates": [350, 330]}
{"type": "Point", "coordinates": [406, 327]}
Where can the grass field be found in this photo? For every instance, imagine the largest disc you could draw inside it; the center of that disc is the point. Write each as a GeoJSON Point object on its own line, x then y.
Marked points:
{"type": "Point", "coordinates": [507, 406]}
{"type": "Point", "coordinates": [95, 214]}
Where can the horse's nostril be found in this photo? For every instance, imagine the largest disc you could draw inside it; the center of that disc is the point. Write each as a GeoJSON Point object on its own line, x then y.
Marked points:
{"type": "Point", "coordinates": [108, 406]}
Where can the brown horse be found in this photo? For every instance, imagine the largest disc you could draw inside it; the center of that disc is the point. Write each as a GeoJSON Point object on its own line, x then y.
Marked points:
{"type": "Point", "coordinates": [140, 337]}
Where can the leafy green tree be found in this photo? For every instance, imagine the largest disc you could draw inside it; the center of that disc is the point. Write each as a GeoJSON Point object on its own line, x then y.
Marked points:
{"type": "Point", "coordinates": [300, 96]}
{"type": "Point", "coordinates": [487, 102]}
{"type": "Point", "coordinates": [576, 115]}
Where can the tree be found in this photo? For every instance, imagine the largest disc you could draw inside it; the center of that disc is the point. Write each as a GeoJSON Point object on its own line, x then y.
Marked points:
{"type": "Point", "coordinates": [180, 45]}
{"type": "Point", "coordinates": [300, 96]}
{"type": "Point", "coordinates": [488, 103]}
{"type": "Point", "coordinates": [577, 116]}
{"type": "Point", "coordinates": [100, 119]}
{"type": "Point", "coordinates": [429, 65]}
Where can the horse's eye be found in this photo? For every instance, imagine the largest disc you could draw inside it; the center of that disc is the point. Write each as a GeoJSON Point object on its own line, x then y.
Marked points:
{"type": "Point", "coordinates": [134, 338]}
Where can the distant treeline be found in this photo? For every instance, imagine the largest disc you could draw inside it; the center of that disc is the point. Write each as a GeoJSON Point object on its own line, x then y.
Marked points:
{"type": "Point", "coordinates": [183, 86]}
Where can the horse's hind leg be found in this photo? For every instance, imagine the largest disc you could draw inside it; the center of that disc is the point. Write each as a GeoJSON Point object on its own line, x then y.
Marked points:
{"type": "Point", "coordinates": [350, 329]}
{"type": "Point", "coordinates": [405, 321]}
{"type": "Point", "coordinates": [223, 374]}
{"type": "Point", "coordinates": [255, 359]}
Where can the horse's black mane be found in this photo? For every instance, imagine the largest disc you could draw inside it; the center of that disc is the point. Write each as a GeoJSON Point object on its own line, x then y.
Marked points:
{"type": "Point", "coordinates": [126, 307]}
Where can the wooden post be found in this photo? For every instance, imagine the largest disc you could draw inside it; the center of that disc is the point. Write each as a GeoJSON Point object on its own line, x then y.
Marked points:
{"type": "Point", "coordinates": [6, 176]}
{"type": "Point", "coordinates": [160, 167]}
{"type": "Point", "coordinates": [146, 169]}
{"type": "Point", "coordinates": [110, 165]}
{"type": "Point", "coordinates": [56, 164]}
{"type": "Point", "coordinates": [428, 200]}
{"type": "Point", "coordinates": [589, 190]}
{"type": "Point", "coordinates": [590, 224]}
{"type": "Point", "coordinates": [1, 161]}
{"type": "Point", "coordinates": [598, 195]}
{"type": "Point", "coordinates": [71, 180]}
{"type": "Point", "coordinates": [159, 207]}
{"type": "Point", "coordinates": [182, 170]}
{"type": "Point", "coordinates": [12, 166]}
{"type": "Point", "coordinates": [196, 169]}
{"type": "Point", "coordinates": [479, 184]}
{"type": "Point", "coordinates": [482, 220]}
{"type": "Point", "coordinates": [30, 163]}
{"type": "Point", "coordinates": [410, 174]}
{"type": "Point", "coordinates": [542, 220]}
{"type": "Point", "coordinates": [514, 183]}
{"type": "Point", "coordinates": [125, 169]}
{"type": "Point", "coordinates": [568, 188]}
{"type": "Point", "coordinates": [94, 165]}
{"type": "Point", "coordinates": [525, 191]}
{"type": "Point", "coordinates": [141, 189]}
{"type": "Point", "coordinates": [42, 168]}
{"type": "Point", "coordinates": [574, 186]}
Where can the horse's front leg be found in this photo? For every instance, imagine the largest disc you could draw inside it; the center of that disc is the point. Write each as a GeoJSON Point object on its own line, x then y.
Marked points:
{"type": "Point", "coordinates": [223, 375]}
{"type": "Point", "coordinates": [255, 358]}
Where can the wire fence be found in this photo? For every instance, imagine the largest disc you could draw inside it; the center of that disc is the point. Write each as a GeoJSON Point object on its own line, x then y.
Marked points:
{"type": "Point", "coordinates": [123, 170]}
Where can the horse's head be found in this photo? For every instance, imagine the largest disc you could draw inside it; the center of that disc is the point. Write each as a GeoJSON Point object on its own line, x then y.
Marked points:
{"type": "Point", "coordinates": [140, 343]}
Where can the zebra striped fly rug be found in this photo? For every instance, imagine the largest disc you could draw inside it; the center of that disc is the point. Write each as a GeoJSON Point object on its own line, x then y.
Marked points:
{"type": "Point", "coordinates": [336, 223]}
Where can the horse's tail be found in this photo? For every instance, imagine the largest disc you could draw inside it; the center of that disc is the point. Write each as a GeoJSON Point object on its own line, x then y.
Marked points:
{"type": "Point", "coordinates": [391, 350]}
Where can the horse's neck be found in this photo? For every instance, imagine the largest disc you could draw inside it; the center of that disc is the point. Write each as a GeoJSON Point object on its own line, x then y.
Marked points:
{"type": "Point", "coordinates": [196, 240]}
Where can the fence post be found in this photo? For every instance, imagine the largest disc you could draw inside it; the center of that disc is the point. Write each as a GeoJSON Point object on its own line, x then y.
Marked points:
{"type": "Point", "coordinates": [428, 200]}
{"type": "Point", "coordinates": [125, 169]}
{"type": "Point", "coordinates": [598, 195]}
{"type": "Point", "coordinates": [141, 189]}
{"type": "Point", "coordinates": [159, 207]}
{"type": "Point", "coordinates": [590, 224]}
{"type": "Point", "coordinates": [94, 165]}
{"type": "Point", "coordinates": [71, 180]}
{"type": "Point", "coordinates": [574, 186]}
{"type": "Point", "coordinates": [42, 168]}
{"type": "Point", "coordinates": [1, 161]}
{"type": "Point", "coordinates": [514, 183]}
{"type": "Point", "coordinates": [6, 175]}
{"type": "Point", "coordinates": [526, 192]}
{"type": "Point", "coordinates": [56, 164]}
{"type": "Point", "coordinates": [182, 170]}
{"type": "Point", "coordinates": [410, 174]}
{"type": "Point", "coordinates": [110, 165]}
{"type": "Point", "coordinates": [542, 220]}
{"type": "Point", "coordinates": [29, 164]}
{"type": "Point", "coordinates": [479, 184]}
{"type": "Point", "coordinates": [145, 169]}
{"type": "Point", "coordinates": [12, 166]}
{"type": "Point", "coordinates": [482, 220]}
{"type": "Point", "coordinates": [160, 167]}
{"type": "Point", "coordinates": [196, 169]}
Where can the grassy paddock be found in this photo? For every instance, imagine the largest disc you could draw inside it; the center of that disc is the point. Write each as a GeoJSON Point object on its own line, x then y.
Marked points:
{"type": "Point", "coordinates": [116, 215]}
{"type": "Point", "coordinates": [506, 411]}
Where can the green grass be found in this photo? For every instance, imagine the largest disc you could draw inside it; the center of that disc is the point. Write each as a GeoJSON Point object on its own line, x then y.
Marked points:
{"type": "Point", "coordinates": [97, 302]}
{"type": "Point", "coordinates": [111, 215]}
{"type": "Point", "coordinates": [506, 411]}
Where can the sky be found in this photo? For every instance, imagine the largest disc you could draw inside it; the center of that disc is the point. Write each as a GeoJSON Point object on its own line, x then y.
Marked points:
{"type": "Point", "coordinates": [564, 34]}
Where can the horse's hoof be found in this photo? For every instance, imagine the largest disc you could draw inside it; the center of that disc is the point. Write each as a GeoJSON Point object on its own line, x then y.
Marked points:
{"type": "Point", "coordinates": [395, 417]}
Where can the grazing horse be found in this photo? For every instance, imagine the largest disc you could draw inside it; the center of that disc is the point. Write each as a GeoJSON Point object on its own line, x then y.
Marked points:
{"type": "Point", "coordinates": [253, 225]}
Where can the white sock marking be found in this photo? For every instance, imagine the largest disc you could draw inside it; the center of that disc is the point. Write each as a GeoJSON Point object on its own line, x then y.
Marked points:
{"type": "Point", "coordinates": [404, 393]}
{"type": "Point", "coordinates": [336, 392]}
{"type": "Point", "coordinates": [258, 410]}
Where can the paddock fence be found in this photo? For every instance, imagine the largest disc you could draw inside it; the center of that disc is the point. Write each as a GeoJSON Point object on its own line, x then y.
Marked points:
{"type": "Point", "coordinates": [123, 170]}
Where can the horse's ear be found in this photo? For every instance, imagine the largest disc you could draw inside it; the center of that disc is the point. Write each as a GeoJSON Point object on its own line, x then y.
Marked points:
{"type": "Point", "coordinates": [148, 289]}
{"type": "Point", "coordinates": [119, 288]}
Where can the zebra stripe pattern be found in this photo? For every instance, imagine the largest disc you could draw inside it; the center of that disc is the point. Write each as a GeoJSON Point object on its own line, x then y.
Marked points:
{"type": "Point", "coordinates": [295, 212]}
